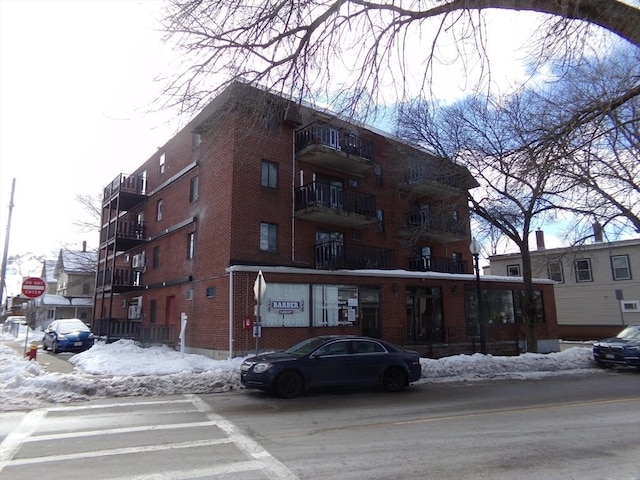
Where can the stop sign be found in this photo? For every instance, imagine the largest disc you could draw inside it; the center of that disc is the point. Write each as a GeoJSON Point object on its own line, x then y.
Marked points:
{"type": "Point", "coordinates": [33, 287]}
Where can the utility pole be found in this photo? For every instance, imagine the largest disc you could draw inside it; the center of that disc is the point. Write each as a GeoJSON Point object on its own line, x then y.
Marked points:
{"type": "Point", "coordinates": [6, 243]}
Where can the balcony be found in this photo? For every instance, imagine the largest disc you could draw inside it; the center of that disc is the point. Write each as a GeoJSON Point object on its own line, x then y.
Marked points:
{"type": "Point", "coordinates": [126, 233]}
{"type": "Point", "coordinates": [442, 227]}
{"type": "Point", "coordinates": [335, 254]}
{"type": "Point", "coordinates": [124, 192]}
{"type": "Point", "coordinates": [429, 263]}
{"type": "Point", "coordinates": [438, 181]}
{"type": "Point", "coordinates": [326, 146]}
{"type": "Point", "coordinates": [118, 280]}
{"type": "Point", "coordinates": [326, 203]}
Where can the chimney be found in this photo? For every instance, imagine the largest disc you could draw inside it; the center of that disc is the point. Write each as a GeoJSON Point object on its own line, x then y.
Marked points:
{"type": "Point", "coordinates": [597, 233]}
{"type": "Point", "coordinates": [540, 239]}
{"type": "Point", "coordinates": [84, 246]}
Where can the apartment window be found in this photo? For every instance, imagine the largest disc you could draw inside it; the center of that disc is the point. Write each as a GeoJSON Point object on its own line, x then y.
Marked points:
{"type": "Point", "coordinates": [268, 237]}
{"type": "Point", "coordinates": [193, 190]}
{"type": "Point", "coordinates": [156, 257]}
{"type": "Point", "coordinates": [583, 270]}
{"type": "Point", "coordinates": [269, 174]}
{"type": "Point", "coordinates": [196, 139]}
{"type": "Point", "coordinates": [153, 311]}
{"type": "Point", "coordinates": [380, 220]}
{"type": "Point", "coordinates": [513, 271]}
{"type": "Point", "coordinates": [211, 291]}
{"type": "Point", "coordinates": [162, 160]}
{"type": "Point", "coordinates": [191, 245]}
{"type": "Point", "coordinates": [620, 267]}
{"type": "Point", "coordinates": [378, 175]}
{"type": "Point", "coordinates": [555, 271]}
{"type": "Point", "coordinates": [159, 210]}
{"type": "Point", "coordinates": [458, 266]}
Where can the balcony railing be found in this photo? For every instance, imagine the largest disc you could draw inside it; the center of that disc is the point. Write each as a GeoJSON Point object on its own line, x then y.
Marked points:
{"type": "Point", "coordinates": [424, 222]}
{"type": "Point", "coordinates": [330, 136]}
{"type": "Point", "coordinates": [429, 263]}
{"type": "Point", "coordinates": [124, 183]}
{"type": "Point", "coordinates": [335, 254]}
{"type": "Point", "coordinates": [335, 197]}
{"type": "Point", "coordinates": [426, 174]}
{"type": "Point", "coordinates": [121, 278]}
{"type": "Point", "coordinates": [130, 230]}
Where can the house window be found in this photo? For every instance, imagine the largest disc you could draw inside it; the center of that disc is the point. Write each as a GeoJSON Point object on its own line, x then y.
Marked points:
{"type": "Point", "coordinates": [268, 237]}
{"type": "Point", "coordinates": [555, 271]}
{"type": "Point", "coordinates": [86, 288]}
{"type": "Point", "coordinates": [156, 257]}
{"type": "Point", "coordinates": [159, 210]}
{"type": "Point", "coordinates": [583, 270]}
{"type": "Point", "coordinates": [513, 270]}
{"type": "Point", "coordinates": [162, 160]}
{"type": "Point", "coordinates": [620, 267]}
{"type": "Point", "coordinates": [191, 245]}
{"type": "Point", "coordinates": [269, 174]}
{"type": "Point", "coordinates": [193, 190]}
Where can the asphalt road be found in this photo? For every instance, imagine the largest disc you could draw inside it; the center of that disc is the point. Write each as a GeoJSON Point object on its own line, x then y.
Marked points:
{"type": "Point", "coordinates": [564, 427]}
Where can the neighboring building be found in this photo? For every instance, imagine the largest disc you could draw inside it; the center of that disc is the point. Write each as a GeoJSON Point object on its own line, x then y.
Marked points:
{"type": "Point", "coordinates": [597, 287]}
{"type": "Point", "coordinates": [353, 231]}
{"type": "Point", "coordinates": [70, 287]}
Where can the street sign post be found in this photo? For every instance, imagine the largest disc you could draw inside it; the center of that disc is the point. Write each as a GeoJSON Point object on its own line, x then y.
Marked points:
{"type": "Point", "coordinates": [33, 287]}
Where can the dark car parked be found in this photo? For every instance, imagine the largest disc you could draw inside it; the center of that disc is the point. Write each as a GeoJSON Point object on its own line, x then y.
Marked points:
{"type": "Point", "coordinates": [67, 335]}
{"type": "Point", "coordinates": [624, 349]}
{"type": "Point", "coordinates": [332, 361]}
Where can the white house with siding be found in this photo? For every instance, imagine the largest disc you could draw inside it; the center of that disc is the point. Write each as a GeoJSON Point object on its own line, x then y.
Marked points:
{"type": "Point", "coordinates": [597, 288]}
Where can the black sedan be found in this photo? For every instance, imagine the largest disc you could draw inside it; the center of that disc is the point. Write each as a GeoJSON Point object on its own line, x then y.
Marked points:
{"type": "Point", "coordinates": [624, 349]}
{"type": "Point", "coordinates": [331, 361]}
{"type": "Point", "coordinates": [67, 335]}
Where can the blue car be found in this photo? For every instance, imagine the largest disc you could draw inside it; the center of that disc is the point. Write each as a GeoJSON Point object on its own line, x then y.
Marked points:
{"type": "Point", "coordinates": [623, 349]}
{"type": "Point", "coordinates": [332, 361]}
{"type": "Point", "coordinates": [67, 335]}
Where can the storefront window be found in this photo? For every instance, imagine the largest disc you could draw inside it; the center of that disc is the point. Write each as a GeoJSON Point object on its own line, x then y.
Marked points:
{"type": "Point", "coordinates": [335, 305]}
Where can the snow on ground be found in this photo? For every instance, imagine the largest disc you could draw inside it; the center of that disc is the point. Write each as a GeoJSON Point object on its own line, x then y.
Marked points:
{"type": "Point", "coordinates": [124, 369]}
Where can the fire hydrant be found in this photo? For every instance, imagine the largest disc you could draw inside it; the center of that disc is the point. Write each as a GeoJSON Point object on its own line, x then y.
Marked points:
{"type": "Point", "coordinates": [32, 352]}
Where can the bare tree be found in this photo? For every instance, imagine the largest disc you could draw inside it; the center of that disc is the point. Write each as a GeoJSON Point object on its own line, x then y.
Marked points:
{"type": "Point", "coordinates": [349, 52]}
{"type": "Point", "coordinates": [92, 208]}
{"type": "Point", "coordinates": [519, 188]}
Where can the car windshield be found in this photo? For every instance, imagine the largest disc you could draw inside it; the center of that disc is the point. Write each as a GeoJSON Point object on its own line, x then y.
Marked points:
{"type": "Point", "coordinates": [630, 333]}
{"type": "Point", "coordinates": [72, 326]}
{"type": "Point", "coordinates": [306, 346]}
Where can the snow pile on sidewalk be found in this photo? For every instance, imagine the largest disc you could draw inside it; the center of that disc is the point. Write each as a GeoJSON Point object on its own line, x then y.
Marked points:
{"type": "Point", "coordinates": [124, 369]}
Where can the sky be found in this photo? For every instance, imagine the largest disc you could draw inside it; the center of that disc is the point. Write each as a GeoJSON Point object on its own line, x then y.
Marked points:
{"type": "Point", "coordinates": [78, 95]}
{"type": "Point", "coordinates": [77, 89]}
{"type": "Point", "coordinates": [124, 369]}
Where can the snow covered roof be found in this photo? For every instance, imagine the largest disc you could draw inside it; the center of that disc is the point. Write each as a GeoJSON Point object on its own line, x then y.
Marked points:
{"type": "Point", "coordinates": [82, 302]}
{"type": "Point", "coordinates": [77, 261]}
{"type": "Point", "coordinates": [54, 300]}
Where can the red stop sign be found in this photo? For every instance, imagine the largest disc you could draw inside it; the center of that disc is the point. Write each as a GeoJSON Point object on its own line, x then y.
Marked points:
{"type": "Point", "coordinates": [33, 287]}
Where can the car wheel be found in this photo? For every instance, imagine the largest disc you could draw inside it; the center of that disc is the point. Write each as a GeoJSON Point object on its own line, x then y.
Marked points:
{"type": "Point", "coordinates": [394, 380]}
{"type": "Point", "coordinates": [54, 347]}
{"type": "Point", "coordinates": [44, 346]}
{"type": "Point", "coordinates": [289, 384]}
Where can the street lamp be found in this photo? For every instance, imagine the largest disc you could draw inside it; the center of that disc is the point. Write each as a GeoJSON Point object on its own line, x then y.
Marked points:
{"type": "Point", "coordinates": [474, 248]}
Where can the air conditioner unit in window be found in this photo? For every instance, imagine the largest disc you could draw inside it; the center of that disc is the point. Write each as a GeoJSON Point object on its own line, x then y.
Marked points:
{"type": "Point", "coordinates": [138, 262]}
{"type": "Point", "coordinates": [134, 312]}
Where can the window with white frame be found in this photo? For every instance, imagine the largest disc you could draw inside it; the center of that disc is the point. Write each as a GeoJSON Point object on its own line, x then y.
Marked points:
{"type": "Point", "coordinates": [554, 270]}
{"type": "Point", "coordinates": [620, 267]}
{"type": "Point", "coordinates": [269, 176]}
{"type": "Point", "coordinates": [193, 189]}
{"type": "Point", "coordinates": [268, 237]}
{"type": "Point", "coordinates": [513, 270]}
{"type": "Point", "coordinates": [583, 270]}
{"type": "Point", "coordinates": [191, 245]}
{"type": "Point", "coordinates": [162, 161]}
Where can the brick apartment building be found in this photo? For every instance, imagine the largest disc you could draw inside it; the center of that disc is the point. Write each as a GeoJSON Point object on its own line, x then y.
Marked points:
{"type": "Point", "coordinates": [352, 231]}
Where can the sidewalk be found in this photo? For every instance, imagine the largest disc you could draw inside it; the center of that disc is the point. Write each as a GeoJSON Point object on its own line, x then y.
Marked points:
{"type": "Point", "coordinates": [51, 363]}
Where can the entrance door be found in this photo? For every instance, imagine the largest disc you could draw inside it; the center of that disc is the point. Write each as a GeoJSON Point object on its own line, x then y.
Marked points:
{"type": "Point", "coordinates": [424, 316]}
{"type": "Point", "coordinates": [370, 312]}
